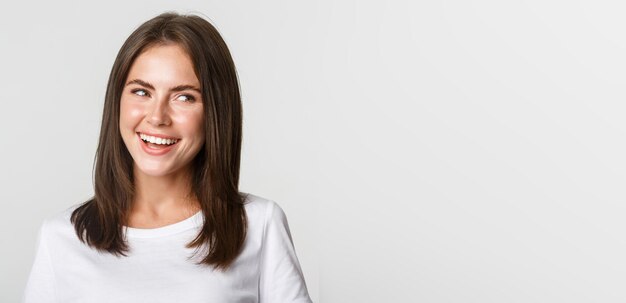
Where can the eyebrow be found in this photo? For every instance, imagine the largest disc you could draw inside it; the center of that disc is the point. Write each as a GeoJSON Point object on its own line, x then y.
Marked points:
{"type": "Point", "coordinates": [177, 88]}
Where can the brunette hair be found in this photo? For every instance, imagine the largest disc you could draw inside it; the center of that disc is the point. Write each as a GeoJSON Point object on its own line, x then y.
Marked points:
{"type": "Point", "coordinates": [99, 221]}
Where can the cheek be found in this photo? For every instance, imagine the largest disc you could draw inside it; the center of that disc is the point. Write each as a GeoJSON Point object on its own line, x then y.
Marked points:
{"type": "Point", "coordinates": [191, 123]}
{"type": "Point", "coordinates": [199, 126]}
{"type": "Point", "coordinates": [130, 113]}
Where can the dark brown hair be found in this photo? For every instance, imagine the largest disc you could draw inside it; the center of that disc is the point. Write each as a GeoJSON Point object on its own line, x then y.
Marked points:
{"type": "Point", "coordinates": [100, 220]}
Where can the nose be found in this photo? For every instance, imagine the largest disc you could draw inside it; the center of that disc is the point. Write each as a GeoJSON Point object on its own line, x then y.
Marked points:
{"type": "Point", "coordinates": [158, 113]}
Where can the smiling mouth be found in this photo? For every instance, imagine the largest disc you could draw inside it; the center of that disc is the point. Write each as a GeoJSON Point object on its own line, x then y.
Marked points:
{"type": "Point", "coordinates": [156, 142]}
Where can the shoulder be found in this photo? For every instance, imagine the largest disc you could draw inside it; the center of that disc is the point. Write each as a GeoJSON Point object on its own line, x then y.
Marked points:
{"type": "Point", "coordinates": [58, 225]}
{"type": "Point", "coordinates": [269, 226]}
{"type": "Point", "coordinates": [262, 210]}
{"type": "Point", "coordinates": [254, 202]}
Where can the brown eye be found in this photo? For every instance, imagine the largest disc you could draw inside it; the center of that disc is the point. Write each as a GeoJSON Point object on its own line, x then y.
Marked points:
{"type": "Point", "coordinates": [188, 98]}
{"type": "Point", "coordinates": [139, 92]}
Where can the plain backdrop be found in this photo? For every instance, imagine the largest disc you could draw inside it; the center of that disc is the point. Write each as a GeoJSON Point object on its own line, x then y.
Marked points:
{"type": "Point", "coordinates": [423, 151]}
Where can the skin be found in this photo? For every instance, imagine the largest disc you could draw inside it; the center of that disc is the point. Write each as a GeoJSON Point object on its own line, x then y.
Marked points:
{"type": "Point", "coordinates": [162, 182]}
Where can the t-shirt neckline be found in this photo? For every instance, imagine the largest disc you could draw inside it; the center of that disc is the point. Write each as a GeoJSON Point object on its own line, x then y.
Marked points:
{"type": "Point", "coordinates": [191, 222]}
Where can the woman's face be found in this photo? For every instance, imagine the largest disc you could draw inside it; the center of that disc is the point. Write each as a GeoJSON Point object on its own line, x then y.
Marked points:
{"type": "Point", "coordinates": [161, 99]}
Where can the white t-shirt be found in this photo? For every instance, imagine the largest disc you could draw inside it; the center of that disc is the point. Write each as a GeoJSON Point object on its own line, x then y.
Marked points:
{"type": "Point", "coordinates": [157, 268]}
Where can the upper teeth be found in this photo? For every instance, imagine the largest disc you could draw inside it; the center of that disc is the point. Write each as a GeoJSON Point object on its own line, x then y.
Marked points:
{"type": "Point", "coordinates": [157, 140]}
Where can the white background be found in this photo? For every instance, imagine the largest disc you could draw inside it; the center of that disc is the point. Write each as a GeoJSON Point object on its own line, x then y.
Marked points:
{"type": "Point", "coordinates": [423, 151]}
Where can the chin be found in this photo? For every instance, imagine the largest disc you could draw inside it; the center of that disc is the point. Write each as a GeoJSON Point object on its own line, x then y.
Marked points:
{"type": "Point", "coordinates": [153, 171]}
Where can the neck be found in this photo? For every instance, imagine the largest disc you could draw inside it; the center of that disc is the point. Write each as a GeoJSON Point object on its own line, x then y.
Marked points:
{"type": "Point", "coordinates": [163, 196]}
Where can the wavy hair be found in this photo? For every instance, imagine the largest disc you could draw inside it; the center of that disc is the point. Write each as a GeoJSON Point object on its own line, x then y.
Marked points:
{"type": "Point", "coordinates": [99, 221]}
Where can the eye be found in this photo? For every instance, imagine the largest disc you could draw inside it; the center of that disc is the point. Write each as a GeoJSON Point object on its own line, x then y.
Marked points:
{"type": "Point", "coordinates": [187, 98]}
{"type": "Point", "coordinates": [139, 92]}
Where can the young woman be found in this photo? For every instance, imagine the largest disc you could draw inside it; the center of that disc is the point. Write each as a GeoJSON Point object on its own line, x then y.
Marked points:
{"type": "Point", "coordinates": [167, 222]}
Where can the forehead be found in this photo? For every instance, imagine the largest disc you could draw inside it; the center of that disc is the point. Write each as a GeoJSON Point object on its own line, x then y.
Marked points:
{"type": "Point", "coordinates": [164, 65]}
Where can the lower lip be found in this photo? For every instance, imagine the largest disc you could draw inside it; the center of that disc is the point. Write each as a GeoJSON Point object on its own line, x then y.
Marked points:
{"type": "Point", "coordinates": [155, 151]}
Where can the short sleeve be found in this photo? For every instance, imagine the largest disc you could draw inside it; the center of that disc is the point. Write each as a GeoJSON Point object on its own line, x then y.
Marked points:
{"type": "Point", "coordinates": [281, 278]}
{"type": "Point", "coordinates": [40, 283]}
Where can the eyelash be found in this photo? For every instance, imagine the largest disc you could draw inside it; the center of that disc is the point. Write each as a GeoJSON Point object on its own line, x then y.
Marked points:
{"type": "Point", "coordinates": [134, 91]}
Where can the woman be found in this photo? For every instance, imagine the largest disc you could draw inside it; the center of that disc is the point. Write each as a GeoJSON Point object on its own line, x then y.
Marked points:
{"type": "Point", "coordinates": [167, 222]}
